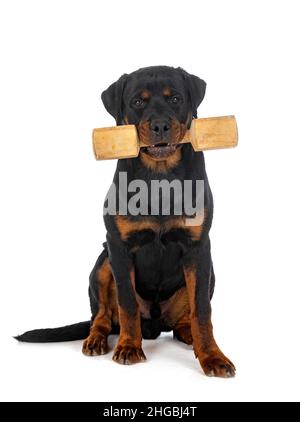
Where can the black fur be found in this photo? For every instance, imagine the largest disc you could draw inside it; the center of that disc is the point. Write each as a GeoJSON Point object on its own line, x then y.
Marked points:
{"type": "Point", "coordinates": [159, 258]}
{"type": "Point", "coordinates": [47, 335]}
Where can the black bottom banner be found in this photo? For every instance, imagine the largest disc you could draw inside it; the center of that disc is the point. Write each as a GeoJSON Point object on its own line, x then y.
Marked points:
{"type": "Point", "coordinates": [133, 410]}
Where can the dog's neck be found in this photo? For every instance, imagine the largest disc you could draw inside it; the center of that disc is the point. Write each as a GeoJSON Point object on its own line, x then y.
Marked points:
{"type": "Point", "coordinates": [187, 165]}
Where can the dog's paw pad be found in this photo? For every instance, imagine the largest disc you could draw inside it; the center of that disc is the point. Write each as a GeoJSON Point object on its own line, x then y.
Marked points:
{"type": "Point", "coordinates": [218, 366]}
{"type": "Point", "coordinates": [127, 355]}
{"type": "Point", "coordinates": [95, 345]}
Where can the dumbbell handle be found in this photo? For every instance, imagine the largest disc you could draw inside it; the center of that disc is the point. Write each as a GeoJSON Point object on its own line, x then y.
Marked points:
{"type": "Point", "coordinates": [210, 133]}
{"type": "Point", "coordinates": [205, 133]}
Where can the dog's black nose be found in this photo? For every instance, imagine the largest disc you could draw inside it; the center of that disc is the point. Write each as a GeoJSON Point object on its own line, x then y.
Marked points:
{"type": "Point", "coordinates": [160, 127]}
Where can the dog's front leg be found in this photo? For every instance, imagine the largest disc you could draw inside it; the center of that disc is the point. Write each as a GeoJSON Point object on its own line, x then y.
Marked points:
{"type": "Point", "coordinates": [129, 347]}
{"type": "Point", "coordinates": [198, 272]}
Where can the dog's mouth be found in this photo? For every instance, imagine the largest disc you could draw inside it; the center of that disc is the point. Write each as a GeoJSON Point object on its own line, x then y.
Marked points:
{"type": "Point", "coordinates": [160, 150]}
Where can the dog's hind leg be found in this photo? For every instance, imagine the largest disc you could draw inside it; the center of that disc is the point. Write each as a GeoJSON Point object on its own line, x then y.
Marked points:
{"type": "Point", "coordinates": [182, 330]}
{"type": "Point", "coordinates": [106, 315]}
{"type": "Point", "coordinates": [177, 315]}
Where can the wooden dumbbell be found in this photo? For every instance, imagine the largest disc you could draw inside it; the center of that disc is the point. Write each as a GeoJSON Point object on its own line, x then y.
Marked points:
{"type": "Point", "coordinates": [123, 141]}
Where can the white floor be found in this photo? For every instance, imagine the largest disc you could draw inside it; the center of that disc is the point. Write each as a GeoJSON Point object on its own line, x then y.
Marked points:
{"type": "Point", "coordinates": [59, 372]}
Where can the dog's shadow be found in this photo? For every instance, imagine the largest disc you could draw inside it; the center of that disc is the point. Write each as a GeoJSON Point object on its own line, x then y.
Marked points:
{"type": "Point", "coordinates": [152, 348]}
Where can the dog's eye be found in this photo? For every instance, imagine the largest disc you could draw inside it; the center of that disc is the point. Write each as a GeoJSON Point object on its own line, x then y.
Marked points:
{"type": "Point", "coordinates": [138, 102]}
{"type": "Point", "coordinates": [174, 100]}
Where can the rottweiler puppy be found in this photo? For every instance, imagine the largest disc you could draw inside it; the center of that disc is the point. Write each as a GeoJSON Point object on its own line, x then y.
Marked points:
{"type": "Point", "coordinates": [155, 272]}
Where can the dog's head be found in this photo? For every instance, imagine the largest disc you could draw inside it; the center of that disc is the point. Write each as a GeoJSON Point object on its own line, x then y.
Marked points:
{"type": "Point", "coordinates": [161, 101]}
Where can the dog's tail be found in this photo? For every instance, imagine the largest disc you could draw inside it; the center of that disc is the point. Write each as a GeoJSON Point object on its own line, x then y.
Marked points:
{"type": "Point", "coordinates": [72, 332]}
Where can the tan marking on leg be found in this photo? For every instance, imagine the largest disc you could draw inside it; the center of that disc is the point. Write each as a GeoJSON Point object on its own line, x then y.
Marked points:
{"type": "Point", "coordinates": [129, 347]}
{"type": "Point", "coordinates": [96, 343]}
{"type": "Point", "coordinates": [212, 360]}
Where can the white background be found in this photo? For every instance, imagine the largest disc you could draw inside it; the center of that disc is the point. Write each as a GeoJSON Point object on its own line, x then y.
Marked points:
{"type": "Point", "coordinates": [56, 59]}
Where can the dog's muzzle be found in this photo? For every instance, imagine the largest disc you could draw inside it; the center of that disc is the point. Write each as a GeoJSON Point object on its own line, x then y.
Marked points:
{"type": "Point", "coordinates": [162, 136]}
{"type": "Point", "coordinates": [160, 150]}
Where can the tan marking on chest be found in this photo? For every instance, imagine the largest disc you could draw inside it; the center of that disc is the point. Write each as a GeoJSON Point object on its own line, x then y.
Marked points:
{"type": "Point", "coordinates": [194, 231]}
{"type": "Point", "coordinates": [127, 226]}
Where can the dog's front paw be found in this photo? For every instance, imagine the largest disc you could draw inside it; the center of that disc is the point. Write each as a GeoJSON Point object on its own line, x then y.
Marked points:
{"type": "Point", "coordinates": [127, 354]}
{"type": "Point", "coordinates": [95, 345]}
{"type": "Point", "coordinates": [218, 365]}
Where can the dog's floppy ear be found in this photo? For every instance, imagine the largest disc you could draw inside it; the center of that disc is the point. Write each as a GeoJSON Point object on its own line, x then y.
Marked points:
{"type": "Point", "coordinates": [196, 89]}
{"type": "Point", "coordinates": [112, 98]}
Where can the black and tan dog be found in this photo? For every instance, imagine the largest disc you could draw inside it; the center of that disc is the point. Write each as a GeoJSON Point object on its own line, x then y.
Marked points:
{"type": "Point", "coordinates": [155, 273]}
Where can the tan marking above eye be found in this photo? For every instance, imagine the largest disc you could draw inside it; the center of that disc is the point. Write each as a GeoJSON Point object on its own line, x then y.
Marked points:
{"type": "Point", "coordinates": [167, 92]}
{"type": "Point", "coordinates": [145, 94]}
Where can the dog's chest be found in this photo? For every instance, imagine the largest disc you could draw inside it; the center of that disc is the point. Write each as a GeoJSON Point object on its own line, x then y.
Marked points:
{"type": "Point", "coordinates": [157, 247]}
{"type": "Point", "coordinates": [157, 252]}
{"type": "Point", "coordinates": [144, 231]}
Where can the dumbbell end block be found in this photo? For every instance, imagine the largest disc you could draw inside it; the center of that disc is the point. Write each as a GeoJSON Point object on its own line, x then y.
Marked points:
{"type": "Point", "coordinates": [115, 142]}
{"type": "Point", "coordinates": [213, 133]}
